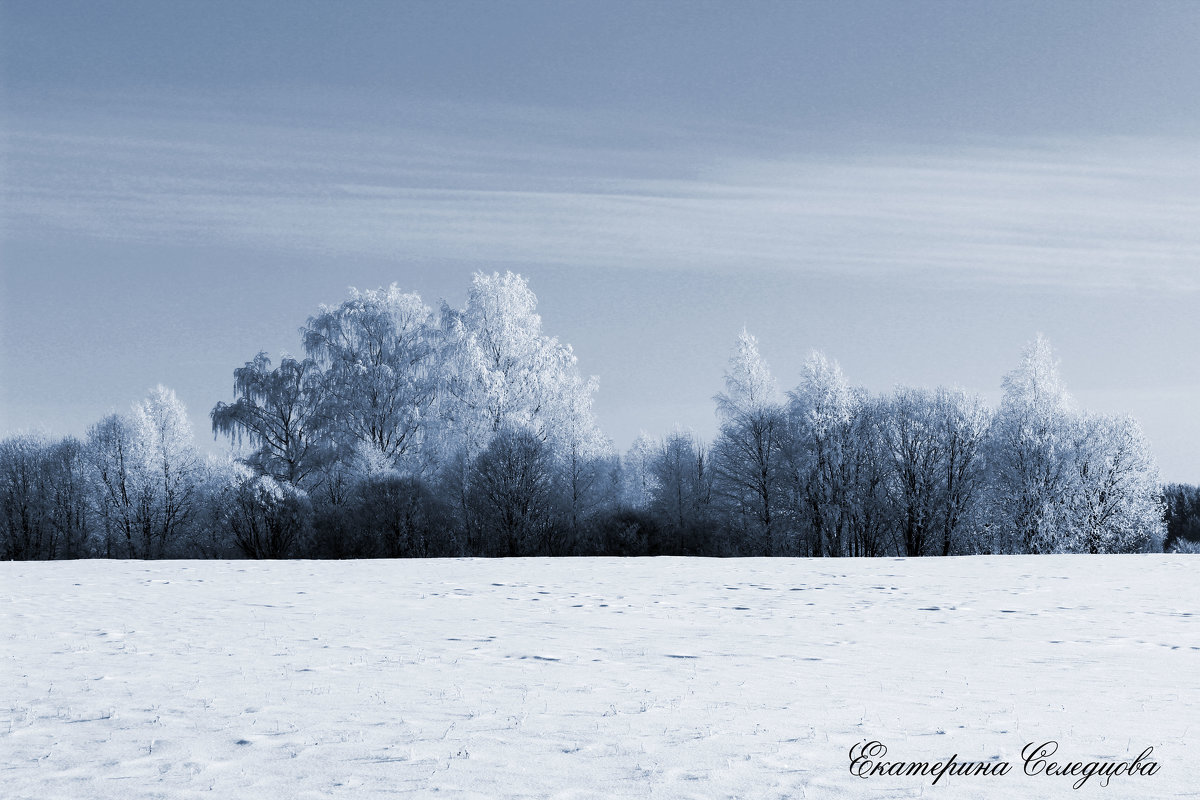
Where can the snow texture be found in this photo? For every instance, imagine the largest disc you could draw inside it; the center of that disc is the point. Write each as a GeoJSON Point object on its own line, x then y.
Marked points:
{"type": "Point", "coordinates": [591, 678]}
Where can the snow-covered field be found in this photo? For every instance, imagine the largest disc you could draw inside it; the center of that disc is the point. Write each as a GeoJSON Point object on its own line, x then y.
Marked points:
{"type": "Point", "coordinates": [592, 677]}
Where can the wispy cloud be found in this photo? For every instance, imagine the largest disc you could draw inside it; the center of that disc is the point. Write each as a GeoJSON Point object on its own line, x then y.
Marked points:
{"type": "Point", "coordinates": [1087, 213]}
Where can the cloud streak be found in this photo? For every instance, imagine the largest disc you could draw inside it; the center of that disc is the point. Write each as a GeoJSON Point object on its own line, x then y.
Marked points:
{"type": "Point", "coordinates": [1094, 213]}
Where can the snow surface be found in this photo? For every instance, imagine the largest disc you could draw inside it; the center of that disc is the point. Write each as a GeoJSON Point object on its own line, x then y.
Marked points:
{"type": "Point", "coordinates": [591, 678]}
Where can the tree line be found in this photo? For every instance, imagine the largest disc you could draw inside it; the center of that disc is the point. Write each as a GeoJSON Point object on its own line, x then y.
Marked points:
{"type": "Point", "coordinates": [406, 431]}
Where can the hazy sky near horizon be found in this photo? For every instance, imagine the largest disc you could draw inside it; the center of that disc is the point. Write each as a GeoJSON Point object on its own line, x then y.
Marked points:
{"type": "Point", "coordinates": [915, 188]}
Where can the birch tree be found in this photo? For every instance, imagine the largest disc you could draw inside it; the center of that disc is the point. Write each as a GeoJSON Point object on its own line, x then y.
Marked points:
{"type": "Point", "coordinates": [279, 412]}
{"type": "Point", "coordinates": [69, 498]}
{"type": "Point", "coordinates": [1031, 454]}
{"type": "Point", "coordinates": [965, 422]}
{"type": "Point", "coordinates": [1117, 504]}
{"type": "Point", "coordinates": [933, 441]}
{"type": "Point", "coordinates": [119, 484]}
{"type": "Point", "coordinates": [378, 358]}
{"type": "Point", "coordinates": [915, 453]}
{"type": "Point", "coordinates": [822, 413]}
{"type": "Point", "coordinates": [749, 450]}
{"type": "Point", "coordinates": [637, 473]}
{"type": "Point", "coordinates": [502, 373]}
{"type": "Point", "coordinates": [170, 468]}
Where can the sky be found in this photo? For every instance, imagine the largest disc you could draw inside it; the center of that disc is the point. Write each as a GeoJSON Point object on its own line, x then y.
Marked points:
{"type": "Point", "coordinates": [916, 189]}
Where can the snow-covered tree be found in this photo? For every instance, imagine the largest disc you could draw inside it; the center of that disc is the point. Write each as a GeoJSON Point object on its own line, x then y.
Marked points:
{"type": "Point", "coordinates": [585, 457]}
{"type": "Point", "coordinates": [146, 474]}
{"type": "Point", "coordinates": [267, 518]}
{"type": "Point", "coordinates": [503, 372]}
{"type": "Point", "coordinates": [749, 451]}
{"type": "Point", "coordinates": [965, 420]}
{"type": "Point", "coordinates": [45, 499]}
{"type": "Point", "coordinates": [119, 482]}
{"type": "Point", "coordinates": [69, 498]}
{"type": "Point", "coordinates": [1031, 455]}
{"type": "Point", "coordinates": [821, 461]}
{"type": "Point", "coordinates": [279, 412]}
{"type": "Point", "coordinates": [637, 474]}
{"type": "Point", "coordinates": [1116, 502]}
{"type": "Point", "coordinates": [24, 522]}
{"type": "Point", "coordinates": [932, 441]}
{"type": "Point", "coordinates": [749, 386]}
{"type": "Point", "coordinates": [170, 468]}
{"type": "Point", "coordinates": [378, 357]}
{"type": "Point", "coordinates": [914, 445]}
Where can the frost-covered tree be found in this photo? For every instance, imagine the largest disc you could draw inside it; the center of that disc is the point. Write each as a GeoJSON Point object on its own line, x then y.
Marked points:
{"type": "Point", "coordinates": [1116, 502]}
{"type": "Point", "coordinates": [267, 518]}
{"type": "Point", "coordinates": [821, 459]}
{"type": "Point", "coordinates": [146, 474]}
{"type": "Point", "coordinates": [914, 447]}
{"type": "Point", "coordinates": [24, 518]}
{"type": "Point", "coordinates": [69, 498]}
{"type": "Point", "coordinates": [584, 453]}
{"type": "Point", "coordinates": [119, 481]}
{"type": "Point", "coordinates": [965, 420]}
{"type": "Point", "coordinates": [279, 412]}
{"type": "Point", "coordinates": [1031, 455]}
{"type": "Point", "coordinates": [209, 535]}
{"type": "Point", "coordinates": [637, 474]}
{"type": "Point", "coordinates": [45, 499]}
{"type": "Point", "coordinates": [503, 372]}
{"type": "Point", "coordinates": [585, 478]}
{"type": "Point", "coordinates": [933, 441]}
{"type": "Point", "coordinates": [377, 353]}
{"type": "Point", "coordinates": [170, 468]}
{"type": "Point", "coordinates": [749, 451]}
{"type": "Point", "coordinates": [749, 386]}
{"type": "Point", "coordinates": [872, 524]}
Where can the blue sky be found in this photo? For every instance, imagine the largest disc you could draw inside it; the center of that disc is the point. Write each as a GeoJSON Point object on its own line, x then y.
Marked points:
{"type": "Point", "coordinates": [915, 188]}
